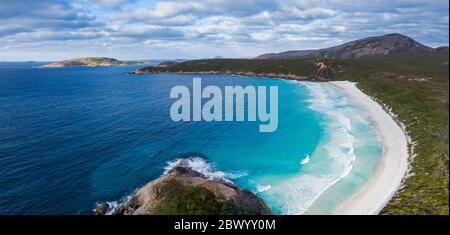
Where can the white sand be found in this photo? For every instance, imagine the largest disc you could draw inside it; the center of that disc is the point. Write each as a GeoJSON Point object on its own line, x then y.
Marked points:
{"type": "Point", "coordinates": [392, 167]}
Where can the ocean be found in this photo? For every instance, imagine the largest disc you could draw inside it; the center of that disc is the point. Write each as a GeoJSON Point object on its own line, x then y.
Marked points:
{"type": "Point", "coordinates": [73, 137]}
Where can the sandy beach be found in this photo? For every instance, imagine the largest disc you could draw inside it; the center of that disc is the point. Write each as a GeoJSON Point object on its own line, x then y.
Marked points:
{"type": "Point", "coordinates": [374, 194]}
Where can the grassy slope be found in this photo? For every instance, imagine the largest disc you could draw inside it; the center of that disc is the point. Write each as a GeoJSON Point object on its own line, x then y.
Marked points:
{"type": "Point", "coordinates": [422, 105]}
{"type": "Point", "coordinates": [177, 199]}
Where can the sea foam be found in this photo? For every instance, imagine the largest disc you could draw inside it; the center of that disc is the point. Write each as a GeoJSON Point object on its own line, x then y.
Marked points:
{"type": "Point", "coordinates": [195, 163]}
{"type": "Point", "coordinates": [204, 167]}
{"type": "Point", "coordinates": [305, 160]}
{"type": "Point", "coordinates": [262, 188]}
{"type": "Point", "coordinates": [333, 158]}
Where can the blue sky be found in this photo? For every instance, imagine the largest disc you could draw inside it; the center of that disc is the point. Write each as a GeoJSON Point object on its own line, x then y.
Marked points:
{"type": "Point", "coordinates": [137, 29]}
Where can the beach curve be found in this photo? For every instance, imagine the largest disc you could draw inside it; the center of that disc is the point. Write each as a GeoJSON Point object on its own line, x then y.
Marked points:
{"type": "Point", "coordinates": [381, 187]}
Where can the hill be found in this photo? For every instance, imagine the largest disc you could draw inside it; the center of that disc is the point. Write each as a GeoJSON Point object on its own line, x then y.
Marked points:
{"type": "Point", "coordinates": [93, 62]}
{"type": "Point", "coordinates": [390, 44]}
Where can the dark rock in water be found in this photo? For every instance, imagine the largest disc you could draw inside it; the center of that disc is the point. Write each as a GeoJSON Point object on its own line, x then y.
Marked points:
{"type": "Point", "coordinates": [124, 209]}
{"type": "Point", "coordinates": [323, 73]}
{"type": "Point", "coordinates": [101, 208]}
{"type": "Point", "coordinates": [183, 191]}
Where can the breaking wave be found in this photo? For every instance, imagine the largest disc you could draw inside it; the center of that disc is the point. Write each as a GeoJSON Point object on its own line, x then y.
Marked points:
{"type": "Point", "coordinates": [205, 168]}
{"type": "Point", "coordinates": [338, 125]}
{"type": "Point", "coordinates": [113, 205]}
{"type": "Point", "coordinates": [305, 160]}
{"type": "Point", "coordinates": [334, 156]}
{"type": "Point", "coordinates": [262, 188]}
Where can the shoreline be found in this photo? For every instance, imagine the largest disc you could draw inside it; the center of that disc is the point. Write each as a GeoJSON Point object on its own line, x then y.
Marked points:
{"type": "Point", "coordinates": [393, 166]}
{"type": "Point", "coordinates": [246, 74]}
{"type": "Point", "coordinates": [374, 194]}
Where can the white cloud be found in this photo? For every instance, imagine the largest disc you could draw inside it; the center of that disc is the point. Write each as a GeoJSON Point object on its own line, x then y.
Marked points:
{"type": "Point", "coordinates": [339, 29]}
{"type": "Point", "coordinates": [196, 28]}
{"type": "Point", "coordinates": [109, 3]}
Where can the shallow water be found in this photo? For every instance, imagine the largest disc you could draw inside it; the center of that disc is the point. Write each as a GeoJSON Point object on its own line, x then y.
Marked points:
{"type": "Point", "coordinates": [72, 137]}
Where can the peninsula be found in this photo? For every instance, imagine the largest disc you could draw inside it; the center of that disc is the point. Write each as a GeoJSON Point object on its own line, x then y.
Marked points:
{"type": "Point", "coordinates": [94, 62]}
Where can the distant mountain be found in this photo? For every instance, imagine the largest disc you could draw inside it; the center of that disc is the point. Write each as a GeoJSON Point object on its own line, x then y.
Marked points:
{"type": "Point", "coordinates": [389, 44]}
{"type": "Point", "coordinates": [93, 62]}
{"type": "Point", "coordinates": [167, 64]}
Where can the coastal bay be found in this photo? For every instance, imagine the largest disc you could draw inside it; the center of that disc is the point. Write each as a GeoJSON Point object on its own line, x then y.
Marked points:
{"type": "Point", "coordinates": [169, 107]}
{"type": "Point", "coordinates": [413, 86]}
{"type": "Point", "coordinates": [106, 169]}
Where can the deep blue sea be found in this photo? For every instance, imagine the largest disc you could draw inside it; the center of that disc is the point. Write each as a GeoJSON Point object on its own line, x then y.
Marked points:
{"type": "Point", "coordinates": [73, 137]}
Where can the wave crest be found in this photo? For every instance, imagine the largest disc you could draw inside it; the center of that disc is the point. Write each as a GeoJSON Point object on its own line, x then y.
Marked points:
{"type": "Point", "coordinates": [204, 167]}
{"type": "Point", "coordinates": [262, 188]}
{"type": "Point", "coordinates": [334, 155]}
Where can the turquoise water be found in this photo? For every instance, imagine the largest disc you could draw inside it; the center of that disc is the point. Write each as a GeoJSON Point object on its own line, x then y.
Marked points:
{"type": "Point", "coordinates": [72, 137]}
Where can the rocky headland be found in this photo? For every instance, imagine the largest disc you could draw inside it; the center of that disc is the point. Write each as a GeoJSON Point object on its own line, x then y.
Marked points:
{"type": "Point", "coordinates": [183, 191]}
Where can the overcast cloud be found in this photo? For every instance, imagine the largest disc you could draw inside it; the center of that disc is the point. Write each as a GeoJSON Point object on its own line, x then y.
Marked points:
{"type": "Point", "coordinates": [137, 29]}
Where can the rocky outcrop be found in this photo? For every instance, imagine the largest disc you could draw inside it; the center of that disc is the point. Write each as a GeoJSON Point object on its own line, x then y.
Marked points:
{"type": "Point", "coordinates": [93, 62]}
{"type": "Point", "coordinates": [322, 73]}
{"type": "Point", "coordinates": [102, 208]}
{"type": "Point", "coordinates": [183, 191]}
{"type": "Point", "coordinates": [389, 44]}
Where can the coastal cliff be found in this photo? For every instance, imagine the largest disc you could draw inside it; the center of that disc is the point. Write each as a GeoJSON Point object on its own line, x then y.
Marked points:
{"type": "Point", "coordinates": [183, 191]}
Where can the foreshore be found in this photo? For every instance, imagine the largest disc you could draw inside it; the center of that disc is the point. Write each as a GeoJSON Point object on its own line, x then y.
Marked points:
{"type": "Point", "coordinates": [392, 167]}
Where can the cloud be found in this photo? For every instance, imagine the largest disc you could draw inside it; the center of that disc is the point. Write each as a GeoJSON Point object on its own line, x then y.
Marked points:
{"type": "Point", "coordinates": [142, 32]}
{"type": "Point", "coordinates": [110, 3]}
{"type": "Point", "coordinates": [30, 16]}
{"type": "Point", "coordinates": [218, 27]}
